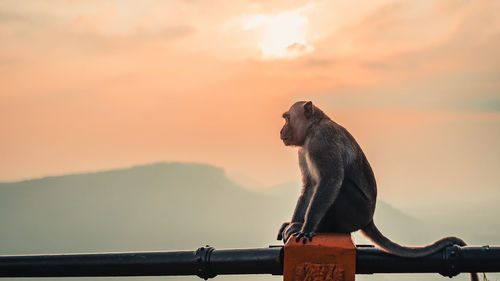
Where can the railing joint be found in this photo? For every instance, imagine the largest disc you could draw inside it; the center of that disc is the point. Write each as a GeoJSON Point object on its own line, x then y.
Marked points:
{"type": "Point", "coordinates": [203, 266]}
{"type": "Point", "coordinates": [451, 259]}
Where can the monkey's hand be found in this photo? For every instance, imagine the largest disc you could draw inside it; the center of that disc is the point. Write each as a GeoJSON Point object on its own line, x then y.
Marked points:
{"type": "Point", "coordinates": [304, 236]}
{"type": "Point", "coordinates": [282, 228]}
{"type": "Point", "coordinates": [291, 229]}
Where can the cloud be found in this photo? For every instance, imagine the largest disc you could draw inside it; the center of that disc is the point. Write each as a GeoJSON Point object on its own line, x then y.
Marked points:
{"type": "Point", "coordinates": [451, 92]}
{"type": "Point", "coordinates": [416, 56]}
{"type": "Point", "coordinates": [91, 19]}
{"type": "Point", "coordinates": [7, 17]}
{"type": "Point", "coordinates": [176, 32]}
{"type": "Point", "coordinates": [314, 62]}
{"type": "Point", "coordinates": [153, 78]}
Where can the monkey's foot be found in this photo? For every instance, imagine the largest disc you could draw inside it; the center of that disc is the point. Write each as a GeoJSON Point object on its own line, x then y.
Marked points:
{"type": "Point", "coordinates": [304, 236]}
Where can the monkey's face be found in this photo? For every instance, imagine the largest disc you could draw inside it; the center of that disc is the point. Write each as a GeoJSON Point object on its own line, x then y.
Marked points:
{"type": "Point", "coordinates": [296, 123]}
{"type": "Point", "coordinates": [286, 133]}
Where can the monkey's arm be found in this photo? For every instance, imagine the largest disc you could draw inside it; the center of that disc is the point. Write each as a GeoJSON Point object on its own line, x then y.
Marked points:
{"type": "Point", "coordinates": [288, 228]}
{"type": "Point", "coordinates": [302, 203]}
{"type": "Point", "coordinates": [327, 166]}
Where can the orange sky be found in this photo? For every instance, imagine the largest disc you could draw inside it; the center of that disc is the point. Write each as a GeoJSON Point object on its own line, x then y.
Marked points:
{"type": "Point", "coordinates": [92, 85]}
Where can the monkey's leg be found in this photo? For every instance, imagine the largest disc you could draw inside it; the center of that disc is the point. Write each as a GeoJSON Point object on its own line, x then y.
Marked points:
{"type": "Point", "coordinates": [350, 212]}
{"type": "Point", "coordinates": [282, 228]}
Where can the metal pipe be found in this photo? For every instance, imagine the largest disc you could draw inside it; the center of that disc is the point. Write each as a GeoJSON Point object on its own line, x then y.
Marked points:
{"type": "Point", "coordinates": [206, 262]}
{"type": "Point", "coordinates": [449, 262]}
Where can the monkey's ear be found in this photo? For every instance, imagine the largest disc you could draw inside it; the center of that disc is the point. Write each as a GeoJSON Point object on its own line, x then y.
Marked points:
{"type": "Point", "coordinates": [308, 109]}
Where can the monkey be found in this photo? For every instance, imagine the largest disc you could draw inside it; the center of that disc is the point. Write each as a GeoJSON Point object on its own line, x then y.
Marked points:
{"type": "Point", "coordinates": [339, 189]}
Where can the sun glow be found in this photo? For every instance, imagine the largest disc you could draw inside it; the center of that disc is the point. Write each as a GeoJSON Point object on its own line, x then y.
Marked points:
{"type": "Point", "coordinates": [280, 36]}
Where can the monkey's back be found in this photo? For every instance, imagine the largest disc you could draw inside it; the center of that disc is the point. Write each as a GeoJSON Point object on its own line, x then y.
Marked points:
{"type": "Point", "coordinates": [357, 197]}
{"type": "Point", "coordinates": [356, 165]}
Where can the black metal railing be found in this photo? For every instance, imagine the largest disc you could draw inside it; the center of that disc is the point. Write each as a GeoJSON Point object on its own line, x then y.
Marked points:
{"type": "Point", "coordinates": [206, 262]}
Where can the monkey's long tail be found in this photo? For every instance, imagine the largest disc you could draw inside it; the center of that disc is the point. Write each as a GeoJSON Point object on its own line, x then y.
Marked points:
{"type": "Point", "coordinates": [372, 232]}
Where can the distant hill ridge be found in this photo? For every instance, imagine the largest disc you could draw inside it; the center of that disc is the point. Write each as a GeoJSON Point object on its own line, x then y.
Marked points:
{"type": "Point", "coordinates": [156, 206]}
{"type": "Point", "coordinates": [164, 166]}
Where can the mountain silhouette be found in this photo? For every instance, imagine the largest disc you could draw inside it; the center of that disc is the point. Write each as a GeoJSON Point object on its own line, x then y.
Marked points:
{"type": "Point", "coordinates": [153, 207]}
{"type": "Point", "coordinates": [163, 206]}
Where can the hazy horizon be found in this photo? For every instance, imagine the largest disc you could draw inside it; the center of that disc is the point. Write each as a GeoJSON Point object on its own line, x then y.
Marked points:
{"type": "Point", "coordinates": [423, 209]}
{"type": "Point", "coordinates": [138, 209]}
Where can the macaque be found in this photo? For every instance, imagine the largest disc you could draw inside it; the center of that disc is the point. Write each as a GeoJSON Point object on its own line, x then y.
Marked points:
{"type": "Point", "coordinates": [339, 189]}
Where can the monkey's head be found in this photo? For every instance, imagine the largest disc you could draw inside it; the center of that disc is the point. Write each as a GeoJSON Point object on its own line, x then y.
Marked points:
{"type": "Point", "coordinates": [298, 119]}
